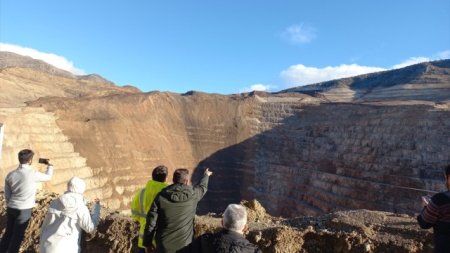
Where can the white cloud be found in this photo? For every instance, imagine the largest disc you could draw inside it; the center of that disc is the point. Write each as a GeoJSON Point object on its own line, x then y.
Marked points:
{"type": "Point", "coordinates": [298, 75]}
{"type": "Point", "coordinates": [257, 87]}
{"type": "Point", "coordinates": [411, 61]}
{"type": "Point", "coordinates": [299, 34]}
{"type": "Point", "coordinates": [53, 59]}
{"type": "Point", "coordinates": [443, 55]}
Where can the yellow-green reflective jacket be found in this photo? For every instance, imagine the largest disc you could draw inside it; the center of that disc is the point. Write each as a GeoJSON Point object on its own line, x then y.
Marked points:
{"type": "Point", "coordinates": [141, 203]}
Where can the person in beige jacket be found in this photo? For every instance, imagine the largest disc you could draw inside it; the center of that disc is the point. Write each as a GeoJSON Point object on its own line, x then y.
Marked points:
{"type": "Point", "coordinates": [66, 217]}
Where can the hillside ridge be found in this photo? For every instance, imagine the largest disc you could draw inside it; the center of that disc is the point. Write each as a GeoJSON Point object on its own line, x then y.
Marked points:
{"type": "Point", "coordinates": [421, 77]}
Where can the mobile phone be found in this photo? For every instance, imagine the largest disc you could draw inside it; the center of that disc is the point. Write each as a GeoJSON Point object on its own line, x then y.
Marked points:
{"type": "Point", "coordinates": [426, 199]}
{"type": "Point", "coordinates": [44, 160]}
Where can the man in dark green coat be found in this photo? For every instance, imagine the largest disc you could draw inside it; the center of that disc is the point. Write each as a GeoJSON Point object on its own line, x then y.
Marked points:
{"type": "Point", "coordinates": [171, 217]}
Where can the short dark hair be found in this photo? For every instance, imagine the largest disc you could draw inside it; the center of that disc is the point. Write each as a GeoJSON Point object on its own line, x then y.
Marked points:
{"type": "Point", "coordinates": [160, 173]}
{"type": "Point", "coordinates": [181, 176]}
{"type": "Point", "coordinates": [447, 171]}
{"type": "Point", "coordinates": [25, 156]}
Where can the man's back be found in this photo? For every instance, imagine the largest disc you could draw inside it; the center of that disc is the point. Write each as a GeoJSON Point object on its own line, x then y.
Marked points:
{"type": "Point", "coordinates": [225, 241]}
{"type": "Point", "coordinates": [175, 226]}
{"type": "Point", "coordinates": [20, 186]}
{"type": "Point", "coordinates": [437, 215]}
{"type": "Point", "coordinates": [171, 217]}
{"type": "Point", "coordinates": [141, 205]}
{"type": "Point", "coordinates": [152, 188]}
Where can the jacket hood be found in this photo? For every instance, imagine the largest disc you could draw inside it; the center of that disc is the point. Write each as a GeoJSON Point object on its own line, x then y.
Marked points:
{"type": "Point", "coordinates": [76, 185]}
{"type": "Point", "coordinates": [68, 203]}
{"type": "Point", "coordinates": [178, 193]}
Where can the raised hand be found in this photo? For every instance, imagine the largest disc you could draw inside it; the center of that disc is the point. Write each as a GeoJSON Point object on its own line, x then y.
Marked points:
{"type": "Point", "coordinates": [208, 172]}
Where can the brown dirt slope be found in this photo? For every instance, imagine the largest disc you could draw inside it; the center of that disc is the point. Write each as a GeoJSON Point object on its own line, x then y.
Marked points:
{"type": "Point", "coordinates": [340, 232]}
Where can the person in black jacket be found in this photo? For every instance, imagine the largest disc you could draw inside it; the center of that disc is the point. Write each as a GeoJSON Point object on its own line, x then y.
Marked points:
{"type": "Point", "coordinates": [230, 239]}
{"type": "Point", "coordinates": [436, 214]}
{"type": "Point", "coordinates": [170, 219]}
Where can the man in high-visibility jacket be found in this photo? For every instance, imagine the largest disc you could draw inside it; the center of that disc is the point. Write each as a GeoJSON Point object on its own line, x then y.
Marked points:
{"type": "Point", "coordinates": [144, 198]}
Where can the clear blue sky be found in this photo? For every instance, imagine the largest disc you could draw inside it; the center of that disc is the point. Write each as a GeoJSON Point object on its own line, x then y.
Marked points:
{"type": "Point", "coordinates": [229, 46]}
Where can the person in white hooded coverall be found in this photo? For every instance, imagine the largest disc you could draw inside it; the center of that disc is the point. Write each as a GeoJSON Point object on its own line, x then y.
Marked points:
{"type": "Point", "coordinates": [66, 216]}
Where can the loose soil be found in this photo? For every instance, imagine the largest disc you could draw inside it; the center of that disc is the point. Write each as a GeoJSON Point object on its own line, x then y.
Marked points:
{"type": "Point", "coordinates": [339, 232]}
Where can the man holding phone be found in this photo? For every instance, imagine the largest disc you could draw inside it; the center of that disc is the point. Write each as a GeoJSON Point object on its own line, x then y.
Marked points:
{"type": "Point", "coordinates": [436, 214]}
{"type": "Point", "coordinates": [20, 196]}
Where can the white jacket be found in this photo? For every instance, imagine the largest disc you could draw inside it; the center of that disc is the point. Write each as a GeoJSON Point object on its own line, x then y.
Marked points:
{"type": "Point", "coordinates": [66, 216]}
{"type": "Point", "coordinates": [20, 186]}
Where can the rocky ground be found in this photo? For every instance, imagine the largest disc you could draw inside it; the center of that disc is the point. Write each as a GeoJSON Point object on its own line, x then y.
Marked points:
{"type": "Point", "coordinates": [339, 232]}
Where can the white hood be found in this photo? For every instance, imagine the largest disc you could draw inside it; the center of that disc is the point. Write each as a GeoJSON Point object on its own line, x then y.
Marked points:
{"type": "Point", "coordinates": [76, 185]}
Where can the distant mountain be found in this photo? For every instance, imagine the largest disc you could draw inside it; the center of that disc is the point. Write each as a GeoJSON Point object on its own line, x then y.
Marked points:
{"type": "Point", "coordinates": [8, 59]}
{"type": "Point", "coordinates": [424, 81]}
{"type": "Point", "coordinates": [25, 79]}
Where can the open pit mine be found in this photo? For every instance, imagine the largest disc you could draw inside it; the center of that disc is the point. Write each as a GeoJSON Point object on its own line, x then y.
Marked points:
{"type": "Point", "coordinates": [376, 141]}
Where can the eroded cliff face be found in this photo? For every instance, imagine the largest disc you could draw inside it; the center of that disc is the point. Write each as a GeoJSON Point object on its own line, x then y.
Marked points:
{"type": "Point", "coordinates": [123, 137]}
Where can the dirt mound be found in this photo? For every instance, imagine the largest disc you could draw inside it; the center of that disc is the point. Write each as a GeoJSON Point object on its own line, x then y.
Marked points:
{"type": "Point", "coordinates": [340, 232]}
{"type": "Point", "coordinates": [255, 211]}
{"type": "Point", "coordinates": [115, 233]}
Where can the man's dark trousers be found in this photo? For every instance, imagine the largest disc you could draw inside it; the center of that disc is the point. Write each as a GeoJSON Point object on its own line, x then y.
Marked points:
{"type": "Point", "coordinates": [16, 224]}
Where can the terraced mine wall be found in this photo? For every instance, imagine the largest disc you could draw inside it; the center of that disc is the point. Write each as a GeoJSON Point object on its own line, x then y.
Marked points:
{"type": "Point", "coordinates": [295, 157]}
{"type": "Point", "coordinates": [314, 159]}
{"type": "Point", "coordinates": [36, 129]}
